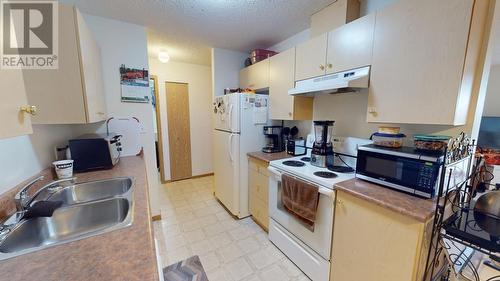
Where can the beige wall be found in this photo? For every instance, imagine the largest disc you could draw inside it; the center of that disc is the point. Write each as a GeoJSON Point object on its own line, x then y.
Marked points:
{"type": "Point", "coordinates": [199, 78]}
{"type": "Point", "coordinates": [492, 104]}
{"type": "Point", "coordinates": [25, 156]}
{"type": "Point", "coordinates": [226, 66]}
{"type": "Point", "coordinates": [349, 112]}
{"type": "Point", "coordinates": [121, 43]}
{"type": "Point", "coordinates": [125, 43]}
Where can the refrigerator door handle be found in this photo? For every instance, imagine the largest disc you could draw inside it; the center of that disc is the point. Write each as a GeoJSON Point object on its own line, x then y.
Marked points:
{"type": "Point", "coordinates": [230, 148]}
{"type": "Point", "coordinates": [230, 117]}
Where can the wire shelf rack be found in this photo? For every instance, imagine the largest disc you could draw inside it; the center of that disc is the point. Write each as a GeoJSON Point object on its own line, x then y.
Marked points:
{"type": "Point", "coordinates": [456, 235]}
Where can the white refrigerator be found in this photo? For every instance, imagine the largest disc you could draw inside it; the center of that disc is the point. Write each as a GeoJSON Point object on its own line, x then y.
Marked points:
{"type": "Point", "coordinates": [238, 129]}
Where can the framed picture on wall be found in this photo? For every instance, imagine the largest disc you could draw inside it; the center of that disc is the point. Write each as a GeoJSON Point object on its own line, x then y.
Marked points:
{"type": "Point", "coordinates": [134, 84]}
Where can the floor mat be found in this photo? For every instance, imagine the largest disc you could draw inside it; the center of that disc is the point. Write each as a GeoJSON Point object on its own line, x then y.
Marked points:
{"type": "Point", "coordinates": [187, 270]}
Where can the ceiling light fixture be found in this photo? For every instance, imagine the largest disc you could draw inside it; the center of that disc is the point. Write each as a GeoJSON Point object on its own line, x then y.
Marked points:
{"type": "Point", "coordinates": [163, 57]}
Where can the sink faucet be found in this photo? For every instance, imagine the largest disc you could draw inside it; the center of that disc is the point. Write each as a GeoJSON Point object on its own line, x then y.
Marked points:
{"type": "Point", "coordinates": [22, 198]}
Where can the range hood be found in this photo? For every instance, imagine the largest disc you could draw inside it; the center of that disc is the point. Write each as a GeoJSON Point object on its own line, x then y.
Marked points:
{"type": "Point", "coordinates": [340, 82]}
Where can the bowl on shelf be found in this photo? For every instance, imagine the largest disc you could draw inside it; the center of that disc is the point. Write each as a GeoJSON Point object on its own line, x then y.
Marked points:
{"type": "Point", "coordinates": [487, 213]}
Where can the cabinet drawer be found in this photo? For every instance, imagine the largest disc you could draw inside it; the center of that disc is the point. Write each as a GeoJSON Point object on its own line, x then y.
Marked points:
{"type": "Point", "coordinates": [253, 165]}
{"type": "Point", "coordinates": [259, 166]}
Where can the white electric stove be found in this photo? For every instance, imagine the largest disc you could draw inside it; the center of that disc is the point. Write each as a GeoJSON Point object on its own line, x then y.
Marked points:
{"type": "Point", "coordinates": [310, 249]}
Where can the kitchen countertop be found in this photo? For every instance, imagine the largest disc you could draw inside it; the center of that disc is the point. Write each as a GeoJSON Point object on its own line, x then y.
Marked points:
{"type": "Point", "coordinates": [268, 157]}
{"type": "Point", "coordinates": [419, 209]}
{"type": "Point", "coordinates": [125, 254]}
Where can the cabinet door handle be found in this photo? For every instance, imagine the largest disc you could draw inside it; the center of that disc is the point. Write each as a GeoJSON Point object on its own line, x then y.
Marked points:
{"type": "Point", "coordinates": [289, 114]}
{"type": "Point", "coordinates": [30, 109]}
{"type": "Point", "coordinates": [322, 67]}
{"type": "Point", "coordinates": [330, 65]}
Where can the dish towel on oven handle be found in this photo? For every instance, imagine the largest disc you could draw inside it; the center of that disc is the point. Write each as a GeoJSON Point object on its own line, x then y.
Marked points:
{"type": "Point", "coordinates": [300, 199]}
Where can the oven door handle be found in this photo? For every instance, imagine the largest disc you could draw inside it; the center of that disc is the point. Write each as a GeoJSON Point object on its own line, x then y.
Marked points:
{"type": "Point", "coordinates": [277, 175]}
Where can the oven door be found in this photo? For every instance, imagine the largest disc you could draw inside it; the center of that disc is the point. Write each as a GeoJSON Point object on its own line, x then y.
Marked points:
{"type": "Point", "coordinates": [319, 239]}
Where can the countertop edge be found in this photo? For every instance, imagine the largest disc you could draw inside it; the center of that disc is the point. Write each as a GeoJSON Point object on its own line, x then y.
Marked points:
{"type": "Point", "coordinates": [268, 157]}
{"type": "Point", "coordinates": [424, 215]}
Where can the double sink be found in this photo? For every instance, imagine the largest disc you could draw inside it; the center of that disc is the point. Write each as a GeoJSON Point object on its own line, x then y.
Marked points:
{"type": "Point", "coordinates": [88, 209]}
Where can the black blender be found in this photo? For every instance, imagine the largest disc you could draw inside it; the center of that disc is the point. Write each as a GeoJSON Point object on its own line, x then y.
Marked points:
{"type": "Point", "coordinates": [322, 151]}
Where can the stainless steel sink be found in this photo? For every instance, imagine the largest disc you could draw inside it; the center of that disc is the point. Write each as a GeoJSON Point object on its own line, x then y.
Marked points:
{"type": "Point", "coordinates": [89, 209]}
{"type": "Point", "coordinates": [85, 192]}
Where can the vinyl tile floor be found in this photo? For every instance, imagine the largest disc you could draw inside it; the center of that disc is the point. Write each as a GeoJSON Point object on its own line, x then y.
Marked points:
{"type": "Point", "coordinates": [195, 223]}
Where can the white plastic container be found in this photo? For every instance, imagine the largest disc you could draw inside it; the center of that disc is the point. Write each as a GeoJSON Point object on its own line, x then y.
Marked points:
{"type": "Point", "coordinates": [64, 168]}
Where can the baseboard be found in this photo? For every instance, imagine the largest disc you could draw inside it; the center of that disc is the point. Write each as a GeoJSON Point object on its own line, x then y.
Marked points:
{"type": "Point", "coordinates": [190, 178]}
{"type": "Point", "coordinates": [202, 175]}
{"type": "Point", "coordinates": [156, 218]}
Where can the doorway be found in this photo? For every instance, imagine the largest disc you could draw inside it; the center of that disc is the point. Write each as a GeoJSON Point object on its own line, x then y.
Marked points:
{"type": "Point", "coordinates": [153, 84]}
{"type": "Point", "coordinates": [179, 128]}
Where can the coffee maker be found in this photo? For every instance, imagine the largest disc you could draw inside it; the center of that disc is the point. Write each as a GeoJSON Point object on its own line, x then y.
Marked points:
{"type": "Point", "coordinates": [274, 139]}
{"type": "Point", "coordinates": [322, 151]}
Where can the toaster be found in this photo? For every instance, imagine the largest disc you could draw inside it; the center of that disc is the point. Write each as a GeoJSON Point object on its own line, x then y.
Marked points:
{"type": "Point", "coordinates": [95, 151]}
{"type": "Point", "coordinates": [296, 147]}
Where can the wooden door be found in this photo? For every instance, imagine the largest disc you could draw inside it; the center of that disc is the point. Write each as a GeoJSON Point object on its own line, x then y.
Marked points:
{"type": "Point", "coordinates": [351, 45]}
{"type": "Point", "coordinates": [373, 243]}
{"type": "Point", "coordinates": [179, 136]}
{"type": "Point", "coordinates": [418, 61]}
{"type": "Point", "coordinates": [311, 58]}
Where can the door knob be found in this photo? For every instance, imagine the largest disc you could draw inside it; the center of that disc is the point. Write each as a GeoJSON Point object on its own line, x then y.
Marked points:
{"type": "Point", "coordinates": [322, 67]}
{"type": "Point", "coordinates": [330, 65]}
{"type": "Point", "coordinates": [30, 109]}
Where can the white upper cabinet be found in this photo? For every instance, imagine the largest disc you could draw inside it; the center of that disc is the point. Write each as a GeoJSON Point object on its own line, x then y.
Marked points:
{"type": "Point", "coordinates": [351, 45]}
{"type": "Point", "coordinates": [283, 106]}
{"type": "Point", "coordinates": [347, 47]}
{"type": "Point", "coordinates": [422, 56]}
{"type": "Point", "coordinates": [311, 58]}
{"type": "Point", "coordinates": [255, 76]}
{"type": "Point", "coordinates": [334, 15]}
{"type": "Point", "coordinates": [281, 79]}
{"type": "Point", "coordinates": [73, 93]}
{"type": "Point", "coordinates": [13, 121]}
{"type": "Point", "coordinates": [90, 60]}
